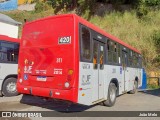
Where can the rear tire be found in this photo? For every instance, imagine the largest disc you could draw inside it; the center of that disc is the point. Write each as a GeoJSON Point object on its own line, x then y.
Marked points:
{"type": "Point", "coordinates": [9, 87]}
{"type": "Point", "coordinates": [112, 94]}
{"type": "Point", "coordinates": [135, 86]}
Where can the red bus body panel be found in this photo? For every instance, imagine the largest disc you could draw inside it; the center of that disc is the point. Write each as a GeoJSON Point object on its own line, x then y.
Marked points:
{"type": "Point", "coordinates": [40, 47]}
{"type": "Point", "coordinates": [9, 39]}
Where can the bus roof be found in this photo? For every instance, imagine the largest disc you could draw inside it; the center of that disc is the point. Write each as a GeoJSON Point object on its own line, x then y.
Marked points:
{"type": "Point", "coordinates": [6, 38]}
{"type": "Point", "coordinates": [90, 25]}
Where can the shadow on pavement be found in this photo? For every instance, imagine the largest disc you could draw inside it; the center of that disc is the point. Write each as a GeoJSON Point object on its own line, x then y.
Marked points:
{"type": "Point", "coordinates": [155, 92]}
{"type": "Point", "coordinates": [52, 104]}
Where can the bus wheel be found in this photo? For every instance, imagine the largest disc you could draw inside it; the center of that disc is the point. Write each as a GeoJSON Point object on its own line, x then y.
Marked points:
{"type": "Point", "coordinates": [9, 87]}
{"type": "Point", "coordinates": [112, 92]}
{"type": "Point", "coordinates": [135, 86]}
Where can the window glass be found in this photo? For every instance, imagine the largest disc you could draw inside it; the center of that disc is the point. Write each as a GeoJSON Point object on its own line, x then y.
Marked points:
{"type": "Point", "coordinates": [95, 55]}
{"type": "Point", "coordinates": [134, 60]}
{"type": "Point", "coordinates": [101, 57]}
{"type": "Point", "coordinates": [137, 63]}
{"type": "Point", "coordinates": [112, 48]}
{"type": "Point", "coordinates": [109, 49]}
{"type": "Point", "coordinates": [9, 52]}
{"type": "Point", "coordinates": [119, 54]}
{"type": "Point", "coordinates": [123, 58]}
{"type": "Point", "coordinates": [130, 58]}
{"type": "Point", "coordinates": [114, 52]}
{"type": "Point", "coordinates": [85, 44]}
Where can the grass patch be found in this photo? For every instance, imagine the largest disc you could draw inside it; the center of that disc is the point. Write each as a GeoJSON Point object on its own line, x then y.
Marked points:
{"type": "Point", "coordinates": [152, 87]}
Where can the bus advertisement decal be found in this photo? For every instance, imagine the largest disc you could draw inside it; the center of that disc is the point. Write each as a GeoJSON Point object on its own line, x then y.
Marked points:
{"type": "Point", "coordinates": [27, 69]}
{"type": "Point", "coordinates": [86, 79]}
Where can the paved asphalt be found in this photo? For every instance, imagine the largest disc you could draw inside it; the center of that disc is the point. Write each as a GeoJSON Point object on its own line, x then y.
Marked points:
{"type": "Point", "coordinates": [147, 101]}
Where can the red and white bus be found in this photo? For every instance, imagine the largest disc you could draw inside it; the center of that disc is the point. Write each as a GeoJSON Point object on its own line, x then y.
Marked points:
{"type": "Point", "coordinates": [65, 57]}
{"type": "Point", "coordinates": [9, 50]}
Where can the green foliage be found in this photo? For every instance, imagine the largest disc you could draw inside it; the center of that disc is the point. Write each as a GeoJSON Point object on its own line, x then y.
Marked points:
{"type": "Point", "coordinates": [61, 5]}
{"type": "Point", "coordinates": [156, 38]}
{"type": "Point", "coordinates": [41, 6]}
{"type": "Point", "coordinates": [86, 8]}
{"type": "Point", "coordinates": [144, 6]}
{"type": "Point", "coordinates": [152, 2]}
{"type": "Point", "coordinates": [117, 1]}
{"type": "Point", "coordinates": [152, 86]}
{"type": "Point", "coordinates": [142, 9]}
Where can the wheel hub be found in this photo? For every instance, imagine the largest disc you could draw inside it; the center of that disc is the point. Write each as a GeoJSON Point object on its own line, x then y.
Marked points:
{"type": "Point", "coordinates": [11, 87]}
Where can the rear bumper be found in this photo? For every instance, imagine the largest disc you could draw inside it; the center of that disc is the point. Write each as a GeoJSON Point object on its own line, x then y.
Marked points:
{"type": "Point", "coordinates": [48, 92]}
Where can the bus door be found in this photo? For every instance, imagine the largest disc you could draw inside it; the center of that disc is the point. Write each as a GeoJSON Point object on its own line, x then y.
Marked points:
{"type": "Point", "coordinates": [125, 71]}
{"type": "Point", "coordinates": [98, 69]}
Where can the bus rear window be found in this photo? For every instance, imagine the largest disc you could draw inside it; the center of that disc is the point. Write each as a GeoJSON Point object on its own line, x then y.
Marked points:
{"type": "Point", "coordinates": [85, 44]}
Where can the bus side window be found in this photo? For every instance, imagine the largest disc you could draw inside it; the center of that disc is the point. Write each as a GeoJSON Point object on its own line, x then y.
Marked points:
{"type": "Point", "coordinates": [119, 54]}
{"type": "Point", "coordinates": [85, 44]}
{"type": "Point", "coordinates": [16, 52]}
{"type": "Point", "coordinates": [109, 49]}
{"type": "Point", "coordinates": [101, 57]}
{"type": "Point", "coordinates": [9, 52]}
{"type": "Point", "coordinates": [114, 52]}
{"type": "Point", "coordinates": [95, 55]}
{"type": "Point", "coordinates": [3, 56]}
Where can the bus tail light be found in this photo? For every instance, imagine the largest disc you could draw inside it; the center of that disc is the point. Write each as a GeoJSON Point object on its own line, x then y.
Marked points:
{"type": "Point", "coordinates": [19, 70]}
{"type": "Point", "coordinates": [70, 72]}
{"type": "Point", "coordinates": [69, 76]}
{"type": "Point", "coordinates": [20, 80]}
{"type": "Point", "coordinates": [19, 73]}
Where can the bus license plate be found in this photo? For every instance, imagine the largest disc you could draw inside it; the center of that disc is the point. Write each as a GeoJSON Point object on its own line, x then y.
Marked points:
{"type": "Point", "coordinates": [41, 78]}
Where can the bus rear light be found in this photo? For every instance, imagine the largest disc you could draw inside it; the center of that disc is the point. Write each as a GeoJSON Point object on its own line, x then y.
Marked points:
{"type": "Point", "coordinates": [80, 89]}
{"type": "Point", "coordinates": [69, 77]}
{"type": "Point", "coordinates": [70, 72]}
{"type": "Point", "coordinates": [66, 84]}
{"type": "Point", "coordinates": [20, 80]}
{"type": "Point", "coordinates": [19, 71]}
